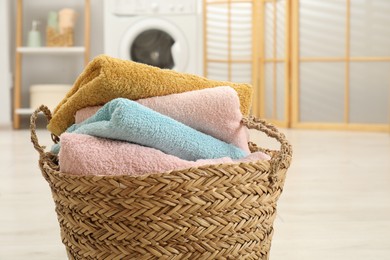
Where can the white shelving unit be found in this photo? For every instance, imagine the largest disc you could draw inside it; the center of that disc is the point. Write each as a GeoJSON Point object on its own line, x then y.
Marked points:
{"type": "Point", "coordinates": [51, 50]}
{"type": "Point", "coordinates": [21, 50]}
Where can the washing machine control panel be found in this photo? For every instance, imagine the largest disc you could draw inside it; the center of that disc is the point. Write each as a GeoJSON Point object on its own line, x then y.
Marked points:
{"type": "Point", "coordinates": [144, 7]}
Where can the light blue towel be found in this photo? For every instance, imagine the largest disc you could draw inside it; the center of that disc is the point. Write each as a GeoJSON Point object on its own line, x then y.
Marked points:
{"type": "Point", "coordinates": [126, 120]}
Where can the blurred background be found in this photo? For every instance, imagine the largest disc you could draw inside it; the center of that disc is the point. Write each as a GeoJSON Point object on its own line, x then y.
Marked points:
{"type": "Point", "coordinates": [313, 64]}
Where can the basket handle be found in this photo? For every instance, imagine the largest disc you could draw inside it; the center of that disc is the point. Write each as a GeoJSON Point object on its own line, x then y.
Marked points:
{"type": "Point", "coordinates": [270, 130]}
{"type": "Point", "coordinates": [34, 137]}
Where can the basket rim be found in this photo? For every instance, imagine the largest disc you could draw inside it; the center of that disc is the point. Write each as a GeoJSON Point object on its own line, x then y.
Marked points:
{"type": "Point", "coordinates": [46, 162]}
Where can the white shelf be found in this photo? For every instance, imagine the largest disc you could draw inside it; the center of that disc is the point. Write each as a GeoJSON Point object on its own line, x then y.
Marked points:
{"type": "Point", "coordinates": [81, 51]}
{"type": "Point", "coordinates": [24, 111]}
{"type": "Point", "coordinates": [51, 50]}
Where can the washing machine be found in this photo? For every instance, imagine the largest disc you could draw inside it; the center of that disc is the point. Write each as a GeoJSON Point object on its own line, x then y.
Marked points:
{"type": "Point", "coordinates": [162, 33]}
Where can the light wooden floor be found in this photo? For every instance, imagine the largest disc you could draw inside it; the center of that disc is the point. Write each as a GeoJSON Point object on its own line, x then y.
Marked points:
{"type": "Point", "coordinates": [336, 202]}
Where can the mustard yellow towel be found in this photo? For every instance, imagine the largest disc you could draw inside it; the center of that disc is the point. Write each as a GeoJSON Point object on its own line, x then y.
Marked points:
{"type": "Point", "coordinates": [106, 78]}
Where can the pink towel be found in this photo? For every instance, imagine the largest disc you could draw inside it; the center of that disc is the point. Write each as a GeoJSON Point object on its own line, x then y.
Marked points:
{"type": "Point", "coordinates": [89, 155]}
{"type": "Point", "coordinates": [213, 111]}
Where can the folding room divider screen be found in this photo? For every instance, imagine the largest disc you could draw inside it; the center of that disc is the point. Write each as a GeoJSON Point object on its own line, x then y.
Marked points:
{"type": "Point", "coordinates": [229, 48]}
{"type": "Point", "coordinates": [313, 63]}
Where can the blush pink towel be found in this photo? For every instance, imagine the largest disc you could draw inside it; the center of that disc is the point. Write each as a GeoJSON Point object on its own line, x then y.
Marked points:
{"type": "Point", "coordinates": [88, 155]}
{"type": "Point", "coordinates": [213, 111]}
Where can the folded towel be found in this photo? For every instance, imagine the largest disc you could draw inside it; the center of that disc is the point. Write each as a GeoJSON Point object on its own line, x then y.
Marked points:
{"type": "Point", "coordinates": [88, 155]}
{"type": "Point", "coordinates": [213, 111]}
{"type": "Point", "coordinates": [126, 120]}
{"type": "Point", "coordinates": [107, 78]}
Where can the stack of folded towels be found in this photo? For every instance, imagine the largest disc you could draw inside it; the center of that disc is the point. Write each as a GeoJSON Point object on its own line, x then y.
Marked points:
{"type": "Point", "coordinates": [126, 118]}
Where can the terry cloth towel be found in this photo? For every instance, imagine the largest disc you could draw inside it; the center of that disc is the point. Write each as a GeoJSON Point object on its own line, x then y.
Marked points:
{"type": "Point", "coordinates": [126, 120]}
{"type": "Point", "coordinates": [213, 111]}
{"type": "Point", "coordinates": [107, 78]}
{"type": "Point", "coordinates": [89, 155]}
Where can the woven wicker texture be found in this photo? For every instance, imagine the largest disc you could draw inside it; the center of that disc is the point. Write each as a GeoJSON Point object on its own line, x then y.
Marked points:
{"type": "Point", "coordinates": [212, 212]}
{"type": "Point", "coordinates": [56, 39]}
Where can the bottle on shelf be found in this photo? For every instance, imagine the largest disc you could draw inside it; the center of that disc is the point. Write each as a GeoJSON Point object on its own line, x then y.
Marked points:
{"type": "Point", "coordinates": [34, 36]}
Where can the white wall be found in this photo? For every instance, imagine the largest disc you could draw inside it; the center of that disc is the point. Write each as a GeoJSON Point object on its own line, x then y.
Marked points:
{"type": "Point", "coordinates": [48, 69]}
{"type": "Point", "coordinates": [5, 76]}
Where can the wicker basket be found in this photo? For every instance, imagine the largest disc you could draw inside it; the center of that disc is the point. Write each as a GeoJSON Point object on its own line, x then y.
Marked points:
{"type": "Point", "coordinates": [57, 39]}
{"type": "Point", "coordinates": [220, 211]}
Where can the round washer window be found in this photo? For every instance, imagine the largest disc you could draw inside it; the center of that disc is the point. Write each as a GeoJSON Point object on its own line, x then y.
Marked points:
{"type": "Point", "coordinates": [153, 47]}
{"type": "Point", "coordinates": [156, 42]}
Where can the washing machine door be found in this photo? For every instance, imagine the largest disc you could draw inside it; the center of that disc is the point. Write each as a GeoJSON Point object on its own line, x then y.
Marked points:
{"type": "Point", "coordinates": [156, 42]}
